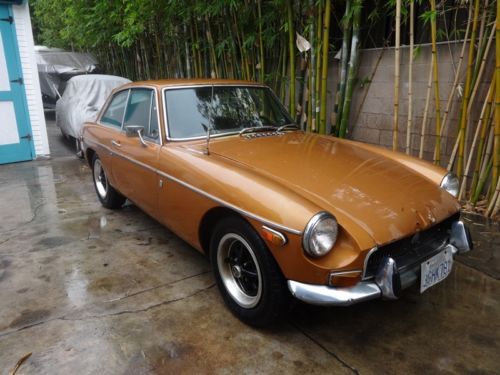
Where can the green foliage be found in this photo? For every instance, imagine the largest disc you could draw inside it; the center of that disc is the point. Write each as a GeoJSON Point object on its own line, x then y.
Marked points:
{"type": "Point", "coordinates": [428, 16]}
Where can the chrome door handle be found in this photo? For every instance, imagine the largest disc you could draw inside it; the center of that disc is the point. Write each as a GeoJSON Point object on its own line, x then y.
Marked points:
{"type": "Point", "coordinates": [116, 143]}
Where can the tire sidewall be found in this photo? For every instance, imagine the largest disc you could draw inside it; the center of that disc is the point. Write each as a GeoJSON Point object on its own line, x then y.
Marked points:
{"type": "Point", "coordinates": [273, 294]}
{"type": "Point", "coordinates": [104, 201]}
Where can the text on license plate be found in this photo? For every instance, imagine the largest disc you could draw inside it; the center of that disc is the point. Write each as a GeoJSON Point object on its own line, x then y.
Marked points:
{"type": "Point", "coordinates": [435, 269]}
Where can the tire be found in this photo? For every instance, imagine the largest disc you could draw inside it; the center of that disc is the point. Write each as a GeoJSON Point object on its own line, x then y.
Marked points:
{"type": "Point", "coordinates": [78, 147]}
{"type": "Point", "coordinates": [246, 273]}
{"type": "Point", "coordinates": [109, 197]}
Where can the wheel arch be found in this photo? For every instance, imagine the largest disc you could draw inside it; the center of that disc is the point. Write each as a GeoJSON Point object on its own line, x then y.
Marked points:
{"type": "Point", "coordinates": [89, 155]}
{"type": "Point", "coordinates": [210, 220]}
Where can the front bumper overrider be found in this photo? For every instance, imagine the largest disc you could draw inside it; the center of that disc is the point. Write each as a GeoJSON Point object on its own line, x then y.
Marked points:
{"type": "Point", "coordinates": [387, 283]}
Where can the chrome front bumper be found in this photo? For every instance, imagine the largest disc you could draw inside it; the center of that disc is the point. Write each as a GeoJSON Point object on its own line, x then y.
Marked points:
{"type": "Point", "coordinates": [386, 284]}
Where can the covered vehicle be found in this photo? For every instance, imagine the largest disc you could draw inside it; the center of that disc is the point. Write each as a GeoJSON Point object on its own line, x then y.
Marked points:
{"type": "Point", "coordinates": [83, 98]}
{"type": "Point", "coordinates": [279, 212]}
{"type": "Point", "coordinates": [56, 66]}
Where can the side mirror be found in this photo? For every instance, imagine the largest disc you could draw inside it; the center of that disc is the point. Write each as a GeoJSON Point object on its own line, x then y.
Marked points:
{"type": "Point", "coordinates": [135, 131]}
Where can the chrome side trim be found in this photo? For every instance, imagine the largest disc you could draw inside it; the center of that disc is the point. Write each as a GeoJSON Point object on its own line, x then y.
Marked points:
{"type": "Point", "coordinates": [329, 296]}
{"type": "Point", "coordinates": [229, 205]}
{"type": "Point", "coordinates": [341, 273]}
{"type": "Point", "coordinates": [208, 195]}
{"type": "Point", "coordinates": [365, 263]}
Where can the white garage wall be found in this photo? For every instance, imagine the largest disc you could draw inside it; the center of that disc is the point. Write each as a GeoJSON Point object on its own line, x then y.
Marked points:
{"type": "Point", "coordinates": [26, 44]}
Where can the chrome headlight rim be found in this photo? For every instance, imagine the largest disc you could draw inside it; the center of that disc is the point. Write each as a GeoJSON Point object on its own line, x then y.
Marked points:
{"type": "Point", "coordinates": [309, 230]}
{"type": "Point", "coordinates": [450, 177]}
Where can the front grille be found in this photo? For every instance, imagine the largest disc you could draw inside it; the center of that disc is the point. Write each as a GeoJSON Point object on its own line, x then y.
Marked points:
{"type": "Point", "coordinates": [412, 249]}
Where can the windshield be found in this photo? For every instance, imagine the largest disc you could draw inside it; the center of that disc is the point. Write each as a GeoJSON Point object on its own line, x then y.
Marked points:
{"type": "Point", "coordinates": [191, 111]}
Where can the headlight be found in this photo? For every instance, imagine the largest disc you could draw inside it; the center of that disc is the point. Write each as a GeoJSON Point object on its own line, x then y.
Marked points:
{"type": "Point", "coordinates": [320, 234]}
{"type": "Point", "coordinates": [450, 183]}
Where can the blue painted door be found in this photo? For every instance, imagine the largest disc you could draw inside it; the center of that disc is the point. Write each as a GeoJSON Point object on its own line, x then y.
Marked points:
{"type": "Point", "coordinates": [15, 130]}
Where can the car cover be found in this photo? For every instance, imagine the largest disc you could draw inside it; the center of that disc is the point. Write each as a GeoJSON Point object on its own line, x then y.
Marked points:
{"type": "Point", "coordinates": [55, 66]}
{"type": "Point", "coordinates": [82, 100]}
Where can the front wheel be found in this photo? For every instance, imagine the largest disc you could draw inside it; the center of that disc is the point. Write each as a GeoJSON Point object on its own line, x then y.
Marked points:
{"type": "Point", "coordinates": [246, 273]}
{"type": "Point", "coordinates": [108, 196]}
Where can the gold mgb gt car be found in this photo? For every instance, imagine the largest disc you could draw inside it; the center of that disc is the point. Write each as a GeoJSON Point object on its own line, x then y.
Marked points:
{"type": "Point", "coordinates": [278, 211]}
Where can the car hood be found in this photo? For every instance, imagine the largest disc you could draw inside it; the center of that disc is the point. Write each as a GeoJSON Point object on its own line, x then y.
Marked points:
{"type": "Point", "coordinates": [360, 187]}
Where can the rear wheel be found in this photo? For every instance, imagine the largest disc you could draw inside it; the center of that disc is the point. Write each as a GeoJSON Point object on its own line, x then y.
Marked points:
{"type": "Point", "coordinates": [109, 197]}
{"type": "Point", "coordinates": [247, 275]}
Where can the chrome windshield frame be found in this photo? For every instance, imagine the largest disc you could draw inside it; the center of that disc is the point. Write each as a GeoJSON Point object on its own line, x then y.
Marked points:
{"type": "Point", "coordinates": [202, 137]}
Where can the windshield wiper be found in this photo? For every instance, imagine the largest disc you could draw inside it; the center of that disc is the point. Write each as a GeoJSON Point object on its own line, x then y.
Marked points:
{"type": "Point", "coordinates": [256, 129]}
{"type": "Point", "coordinates": [287, 126]}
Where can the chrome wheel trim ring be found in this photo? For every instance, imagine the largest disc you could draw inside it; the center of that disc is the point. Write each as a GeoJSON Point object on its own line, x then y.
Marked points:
{"type": "Point", "coordinates": [100, 179]}
{"type": "Point", "coordinates": [227, 271]}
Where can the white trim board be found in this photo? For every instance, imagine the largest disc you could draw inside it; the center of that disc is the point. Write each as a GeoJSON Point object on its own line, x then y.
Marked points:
{"type": "Point", "coordinates": [26, 45]}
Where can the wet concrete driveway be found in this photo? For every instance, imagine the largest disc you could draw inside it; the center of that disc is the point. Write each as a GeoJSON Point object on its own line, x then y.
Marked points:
{"type": "Point", "coordinates": [93, 291]}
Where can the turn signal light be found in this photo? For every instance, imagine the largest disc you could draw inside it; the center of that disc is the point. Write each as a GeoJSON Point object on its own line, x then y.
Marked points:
{"type": "Point", "coordinates": [273, 236]}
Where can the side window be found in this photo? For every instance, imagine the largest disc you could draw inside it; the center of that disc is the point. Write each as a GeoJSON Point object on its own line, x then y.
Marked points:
{"type": "Point", "coordinates": [114, 113]}
{"type": "Point", "coordinates": [141, 110]}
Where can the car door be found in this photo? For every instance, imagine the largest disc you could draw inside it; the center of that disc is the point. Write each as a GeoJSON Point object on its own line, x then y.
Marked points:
{"type": "Point", "coordinates": [135, 163]}
{"type": "Point", "coordinates": [111, 125]}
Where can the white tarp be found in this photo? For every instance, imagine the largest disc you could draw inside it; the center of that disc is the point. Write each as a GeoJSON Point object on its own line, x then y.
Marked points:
{"type": "Point", "coordinates": [82, 100]}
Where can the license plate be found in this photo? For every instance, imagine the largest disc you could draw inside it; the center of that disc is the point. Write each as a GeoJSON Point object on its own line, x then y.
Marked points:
{"type": "Point", "coordinates": [435, 269]}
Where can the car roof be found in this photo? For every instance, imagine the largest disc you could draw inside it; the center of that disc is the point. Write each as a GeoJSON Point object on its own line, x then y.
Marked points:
{"type": "Point", "coordinates": [189, 82]}
{"type": "Point", "coordinates": [98, 77]}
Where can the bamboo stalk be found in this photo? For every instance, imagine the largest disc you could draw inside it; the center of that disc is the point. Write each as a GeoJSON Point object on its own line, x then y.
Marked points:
{"type": "Point", "coordinates": [396, 77]}
{"type": "Point", "coordinates": [215, 70]}
{"type": "Point", "coordinates": [344, 63]}
{"type": "Point", "coordinates": [485, 165]}
{"type": "Point", "coordinates": [409, 125]}
{"type": "Point", "coordinates": [426, 112]}
{"type": "Point", "coordinates": [302, 83]}
{"type": "Point", "coordinates": [437, 149]}
{"type": "Point", "coordinates": [261, 44]}
{"type": "Point", "coordinates": [489, 148]}
{"type": "Point", "coordinates": [480, 39]}
{"type": "Point", "coordinates": [324, 66]}
{"type": "Point", "coordinates": [353, 64]}
{"type": "Point", "coordinates": [454, 153]}
{"type": "Point", "coordinates": [291, 52]}
{"type": "Point", "coordinates": [467, 89]}
{"type": "Point", "coordinates": [494, 205]}
{"type": "Point", "coordinates": [480, 126]}
{"type": "Point", "coordinates": [319, 28]}
{"type": "Point", "coordinates": [482, 182]}
{"type": "Point", "coordinates": [484, 125]}
{"type": "Point", "coordinates": [481, 69]}
{"type": "Point", "coordinates": [186, 51]}
{"type": "Point", "coordinates": [312, 70]}
{"type": "Point", "coordinates": [496, 147]}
